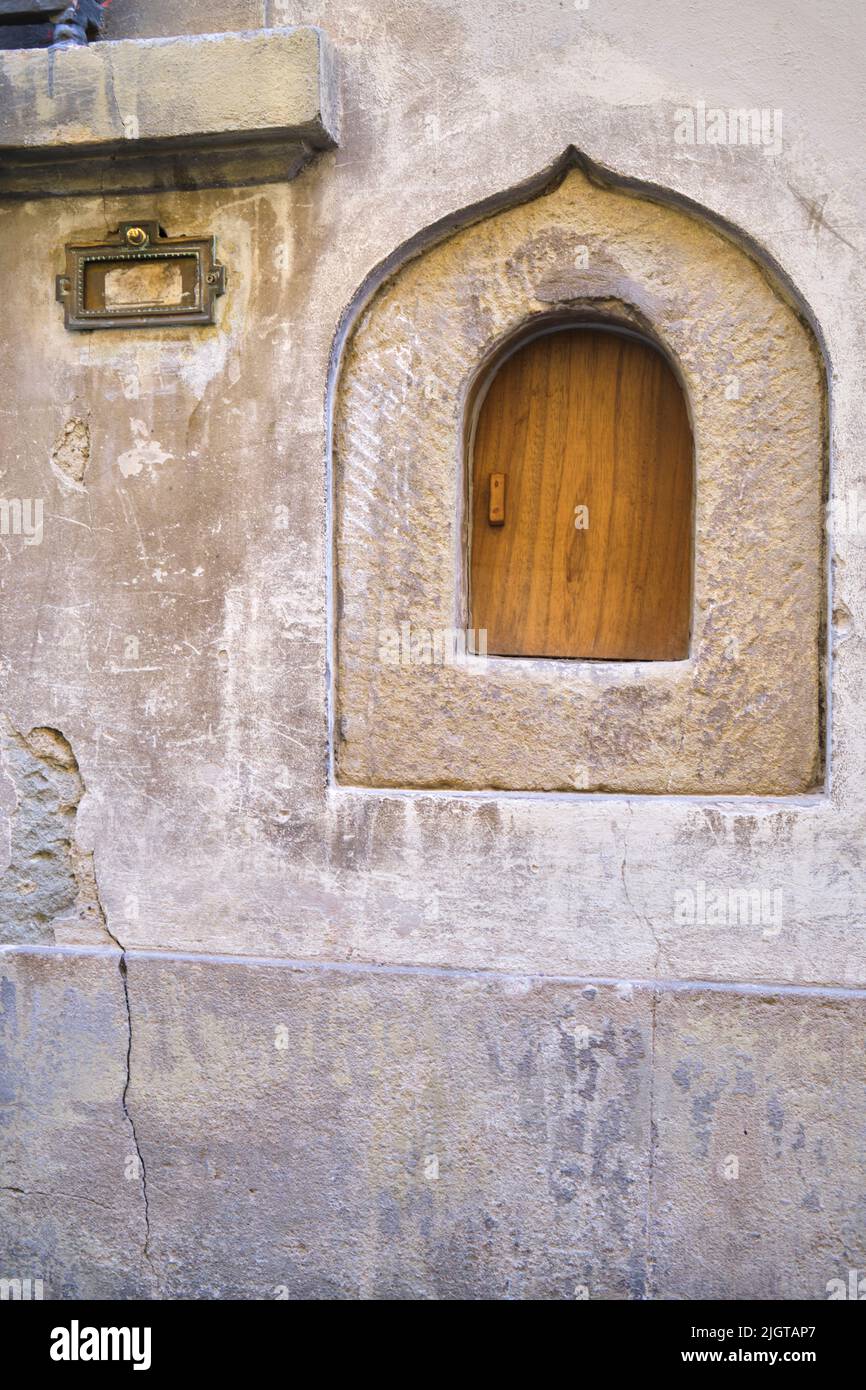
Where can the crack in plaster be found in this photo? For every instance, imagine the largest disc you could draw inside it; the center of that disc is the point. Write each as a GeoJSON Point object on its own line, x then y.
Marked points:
{"type": "Point", "coordinates": [643, 917]}
{"type": "Point", "coordinates": [124, 976]}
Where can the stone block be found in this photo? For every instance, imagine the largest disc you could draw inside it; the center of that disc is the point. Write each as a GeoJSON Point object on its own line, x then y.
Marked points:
{"type": "Point", "coordinates": [270, 93]}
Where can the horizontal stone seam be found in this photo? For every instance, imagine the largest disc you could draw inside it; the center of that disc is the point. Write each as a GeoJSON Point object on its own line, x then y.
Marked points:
{"type": "Point", "coordinates": [733, 802]}
{"type": "Point", "coordinates": [759, 989]}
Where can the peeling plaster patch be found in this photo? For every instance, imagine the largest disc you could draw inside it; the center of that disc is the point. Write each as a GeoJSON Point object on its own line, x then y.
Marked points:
{"type": "Point", "coordinates": [48, 887]}
{"type": "Point", "coordinates": [843, 623]}
{"type": "Point", "coordinates": [131, 384]}
{"type": "Point", "coordinates": [207, 361]}
{"type": "Point", "coordinates": [154, 368]}
{"type": "Point", "coordinates": [144, 452]}
{"type": "Point", "coordinates": [71, 453]}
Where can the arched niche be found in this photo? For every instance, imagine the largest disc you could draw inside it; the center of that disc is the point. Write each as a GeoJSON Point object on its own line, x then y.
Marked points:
{"type": "Point", "coordinates": [741, 712]}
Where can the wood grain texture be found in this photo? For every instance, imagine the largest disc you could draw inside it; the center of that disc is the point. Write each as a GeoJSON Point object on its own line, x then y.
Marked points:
{"type": "Point", "coordinates": [584, 418]}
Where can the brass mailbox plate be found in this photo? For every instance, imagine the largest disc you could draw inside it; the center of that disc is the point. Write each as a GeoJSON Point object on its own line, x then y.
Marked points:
{"type": "Point", "coordinates": [141, 279]}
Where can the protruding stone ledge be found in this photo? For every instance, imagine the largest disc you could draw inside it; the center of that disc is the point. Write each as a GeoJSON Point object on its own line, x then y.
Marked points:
{"type": "Point", "coordinates": [205, 110]}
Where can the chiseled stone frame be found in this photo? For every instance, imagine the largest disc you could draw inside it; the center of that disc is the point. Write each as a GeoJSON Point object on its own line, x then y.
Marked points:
{"type": "Point", "coordinates": [743, 714]}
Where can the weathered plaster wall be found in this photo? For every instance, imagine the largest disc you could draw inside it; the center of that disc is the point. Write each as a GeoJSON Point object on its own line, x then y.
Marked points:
{"type": "Point", "coordinates": [174, 627]}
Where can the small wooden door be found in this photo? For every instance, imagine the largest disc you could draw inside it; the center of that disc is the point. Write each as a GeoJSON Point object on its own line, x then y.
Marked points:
{"type": "Point", "coordinates": [582, 502]}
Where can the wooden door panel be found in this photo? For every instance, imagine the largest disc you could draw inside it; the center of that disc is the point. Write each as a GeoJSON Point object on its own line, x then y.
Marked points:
{"type": "Point", "coordinates": [594, 419]}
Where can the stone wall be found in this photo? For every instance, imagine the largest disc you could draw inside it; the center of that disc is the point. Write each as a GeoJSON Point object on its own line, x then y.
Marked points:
{"type": "Point", "coordinates": [272, 1029]}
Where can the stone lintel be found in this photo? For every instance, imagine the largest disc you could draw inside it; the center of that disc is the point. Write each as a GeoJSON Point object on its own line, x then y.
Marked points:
{"type": "Point", "coordinates": [191, 103]}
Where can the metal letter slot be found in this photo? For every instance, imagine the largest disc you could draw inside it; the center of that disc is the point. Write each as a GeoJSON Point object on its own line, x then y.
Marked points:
{"type": "Point", "coordinates": [141, 279]}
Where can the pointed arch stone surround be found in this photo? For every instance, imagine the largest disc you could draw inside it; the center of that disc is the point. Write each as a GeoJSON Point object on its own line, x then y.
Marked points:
{"type": "Point", "coordinates": [742, 715]}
